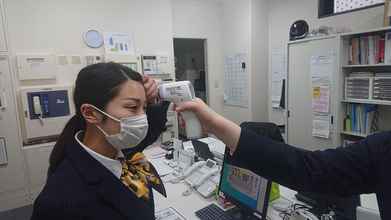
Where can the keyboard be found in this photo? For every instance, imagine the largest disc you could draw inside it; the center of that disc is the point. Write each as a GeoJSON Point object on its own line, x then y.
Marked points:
{"type": "Point", "coordinates": [213, 212]}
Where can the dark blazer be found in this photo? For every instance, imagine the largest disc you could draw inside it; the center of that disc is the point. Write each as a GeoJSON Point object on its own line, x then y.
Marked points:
{"type": "Point", "coordinates": [82, 188]}
{"type": "Point", "coordinates": [362, 167]}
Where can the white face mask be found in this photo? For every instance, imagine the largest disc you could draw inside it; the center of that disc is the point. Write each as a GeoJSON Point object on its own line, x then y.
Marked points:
{"type": "Point", "coordinates": [133, 131]}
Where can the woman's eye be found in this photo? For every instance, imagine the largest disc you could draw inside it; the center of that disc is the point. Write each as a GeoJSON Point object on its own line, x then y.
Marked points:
{"type": "Point", "coordinates": [131, 107]}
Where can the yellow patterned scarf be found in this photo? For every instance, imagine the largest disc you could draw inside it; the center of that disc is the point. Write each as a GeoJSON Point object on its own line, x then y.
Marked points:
{"type": "Point", "coordinates": [136, 175]}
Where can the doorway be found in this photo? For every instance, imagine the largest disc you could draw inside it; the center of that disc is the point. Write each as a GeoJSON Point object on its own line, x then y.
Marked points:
{"type": "Point", "coordinates": [190, 64]}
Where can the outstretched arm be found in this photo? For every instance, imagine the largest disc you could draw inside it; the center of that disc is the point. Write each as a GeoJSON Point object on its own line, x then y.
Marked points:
{"type": "Point", "coordinates": [342, 171]}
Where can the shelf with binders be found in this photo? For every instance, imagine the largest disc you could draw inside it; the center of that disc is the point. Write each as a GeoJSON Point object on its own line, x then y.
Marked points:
{"type": "Point", "coordinates": [379, 65]}
{"type": "Point", "coordinates": [369, 87]}
{"type": "Point", "coordinates": [354, 134]}
{"type": "Point", "coordinates": [367, 101]}
{"type": "Point", "coordinates": [366, 104]}
{"type": "Point", "coordinates": [362, 119]}
{"type": "Point", "coordinates": [370, 49]}
{"type": "Point", "coordinates": [365, 91]}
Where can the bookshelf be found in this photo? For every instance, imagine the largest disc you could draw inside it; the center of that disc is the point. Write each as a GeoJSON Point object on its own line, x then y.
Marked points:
{"type": "Point", "coordinates": [367, 65]}
{"type": "Point", "coordinates": [367, 101]}
{"type": "Point", "coordinates": [366, 32]}
{"type": "Point", "coordinates": [354, 134]}
{"type": "Point", "coordinates": [365, 58]}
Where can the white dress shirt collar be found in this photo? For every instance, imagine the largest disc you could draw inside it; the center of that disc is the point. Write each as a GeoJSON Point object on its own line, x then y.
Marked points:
{"type": "Point", "coordinates": [114, 166]}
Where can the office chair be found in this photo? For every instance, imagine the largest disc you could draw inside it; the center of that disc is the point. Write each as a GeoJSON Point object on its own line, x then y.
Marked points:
{"type": "Point", "coordinates": [266, 129]}
{"type": "Point", "coordinates": [272, 131]}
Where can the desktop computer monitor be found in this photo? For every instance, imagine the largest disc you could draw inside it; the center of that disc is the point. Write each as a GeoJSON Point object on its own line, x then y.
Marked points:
{"type": "Point", "coordinates": [202, 149]}
{"type": "Point", "coordinates": [247, 190]}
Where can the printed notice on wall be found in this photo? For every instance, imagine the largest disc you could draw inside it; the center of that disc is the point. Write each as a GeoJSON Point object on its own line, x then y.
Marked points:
{"type": "Point", "coordinates": [236, 80]}
{"type": "Point", "coordinates": [321, 98]}
{"type": "Point", "coordinates": [321, 70]}
{"type": "Point", "coordinates": [322, 66]}
{"type": "Point", "coordinates": [321, 126]}
{"type": "Point", "coordinates": [3, 151]}
{"type": "Point", "coordinates": [119, 43]}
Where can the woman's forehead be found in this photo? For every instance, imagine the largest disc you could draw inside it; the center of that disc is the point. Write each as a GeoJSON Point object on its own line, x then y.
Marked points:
{"type": "Point", "coordinates": [132, 90]}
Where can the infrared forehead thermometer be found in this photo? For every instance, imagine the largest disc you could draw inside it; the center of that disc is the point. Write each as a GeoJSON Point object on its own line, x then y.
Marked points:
{"type": "Point", "coordinates": [178, 92]}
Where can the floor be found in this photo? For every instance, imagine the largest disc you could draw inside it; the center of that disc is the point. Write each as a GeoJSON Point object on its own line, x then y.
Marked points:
{"type": "Point", "coordinates": [23, 213]}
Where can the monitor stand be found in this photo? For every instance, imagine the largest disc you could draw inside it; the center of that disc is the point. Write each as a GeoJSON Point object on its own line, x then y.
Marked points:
{"type": "Point", "coordinates": [242, 213]}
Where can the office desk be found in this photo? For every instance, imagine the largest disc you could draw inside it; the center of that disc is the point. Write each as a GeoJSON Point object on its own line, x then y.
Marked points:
{"type": "Point", "coordinates": [185, 205]}
{"type": "Point", "coordinates": [188, 205]}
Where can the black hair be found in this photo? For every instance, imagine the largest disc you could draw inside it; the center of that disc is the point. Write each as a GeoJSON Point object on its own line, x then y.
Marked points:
{"type": "Point", "coordinates": [96, 84]}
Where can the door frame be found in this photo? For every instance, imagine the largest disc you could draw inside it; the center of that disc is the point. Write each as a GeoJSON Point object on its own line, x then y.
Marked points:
{"type": "Point", "coordinates": [205, 41]}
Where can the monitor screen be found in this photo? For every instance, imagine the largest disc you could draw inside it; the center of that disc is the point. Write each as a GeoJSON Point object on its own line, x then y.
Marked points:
{"type": "Point", "coordinates": [245, 188]}
{"type": "Point", "coordinates": [202, 149]}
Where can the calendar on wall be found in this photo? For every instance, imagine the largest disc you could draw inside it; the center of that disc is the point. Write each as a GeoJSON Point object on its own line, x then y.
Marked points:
{"type": "Point", "coordinates": [236, 80]}
{"type": "Point", "coordinates": [348, 5]}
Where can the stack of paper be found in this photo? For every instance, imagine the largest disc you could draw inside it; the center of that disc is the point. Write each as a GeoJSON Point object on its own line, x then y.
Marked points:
{"type": "Point", "coordinates": [161, 166]}
{"type": "Point", "coordinates": [382, 86]}
{"type": "Point", "coordinates": [216, 146]}
{"type": "Point", "coordinates": [357, 85]}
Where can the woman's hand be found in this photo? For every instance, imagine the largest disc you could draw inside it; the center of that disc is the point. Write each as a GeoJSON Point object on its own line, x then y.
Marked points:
{"type": "Point", "coordinates": [202, 111]}
{"type": "Point", "coordinates": [151, 90]}
{"type": "Point", "coordinates": [211, 122]}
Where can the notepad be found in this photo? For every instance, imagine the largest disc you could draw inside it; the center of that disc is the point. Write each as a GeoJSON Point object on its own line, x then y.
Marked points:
{"type": "Point", "coordinates": [161, 166]}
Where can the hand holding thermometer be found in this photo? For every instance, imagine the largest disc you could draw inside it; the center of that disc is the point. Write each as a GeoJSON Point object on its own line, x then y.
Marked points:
{"type": "Point", "coordinates": [178, 92]}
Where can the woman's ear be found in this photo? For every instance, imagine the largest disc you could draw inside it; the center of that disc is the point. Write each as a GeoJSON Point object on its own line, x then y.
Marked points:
{"type": "Point", "coordinates": [90, 114]}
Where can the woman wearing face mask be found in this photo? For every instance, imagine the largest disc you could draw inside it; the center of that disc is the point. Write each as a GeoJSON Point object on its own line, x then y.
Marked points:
{"type": "Point", "coordinates": [89, 176]}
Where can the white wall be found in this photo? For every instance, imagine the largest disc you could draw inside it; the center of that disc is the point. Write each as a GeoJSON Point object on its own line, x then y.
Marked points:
{"type": "Point", "coordinates": [282, 13]}
{"type": "Point", "coordinates": [245, 31]}
{"type": "Point", "coordinates": [57, 27]}
{"type": "Point", "coordinates": [259, 60]}
{"type": "Point", "coordinates": [202, 19]}
{"type": "Point", "coordinates": [230, 27]}
{"type": "Point", "coordinates": [236, 35]}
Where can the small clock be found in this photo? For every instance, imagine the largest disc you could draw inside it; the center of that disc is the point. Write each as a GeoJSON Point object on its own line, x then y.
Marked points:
{"type": "Point", "coordinates": [93, 39]}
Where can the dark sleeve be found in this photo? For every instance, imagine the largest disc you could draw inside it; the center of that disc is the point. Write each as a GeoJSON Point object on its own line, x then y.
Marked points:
{"type": "Point", "coordinates": [343, 171]}
{"type": "Point", "coordinates": [45, 210]}
{"type": "Point", "coordinates": [157, 119]}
